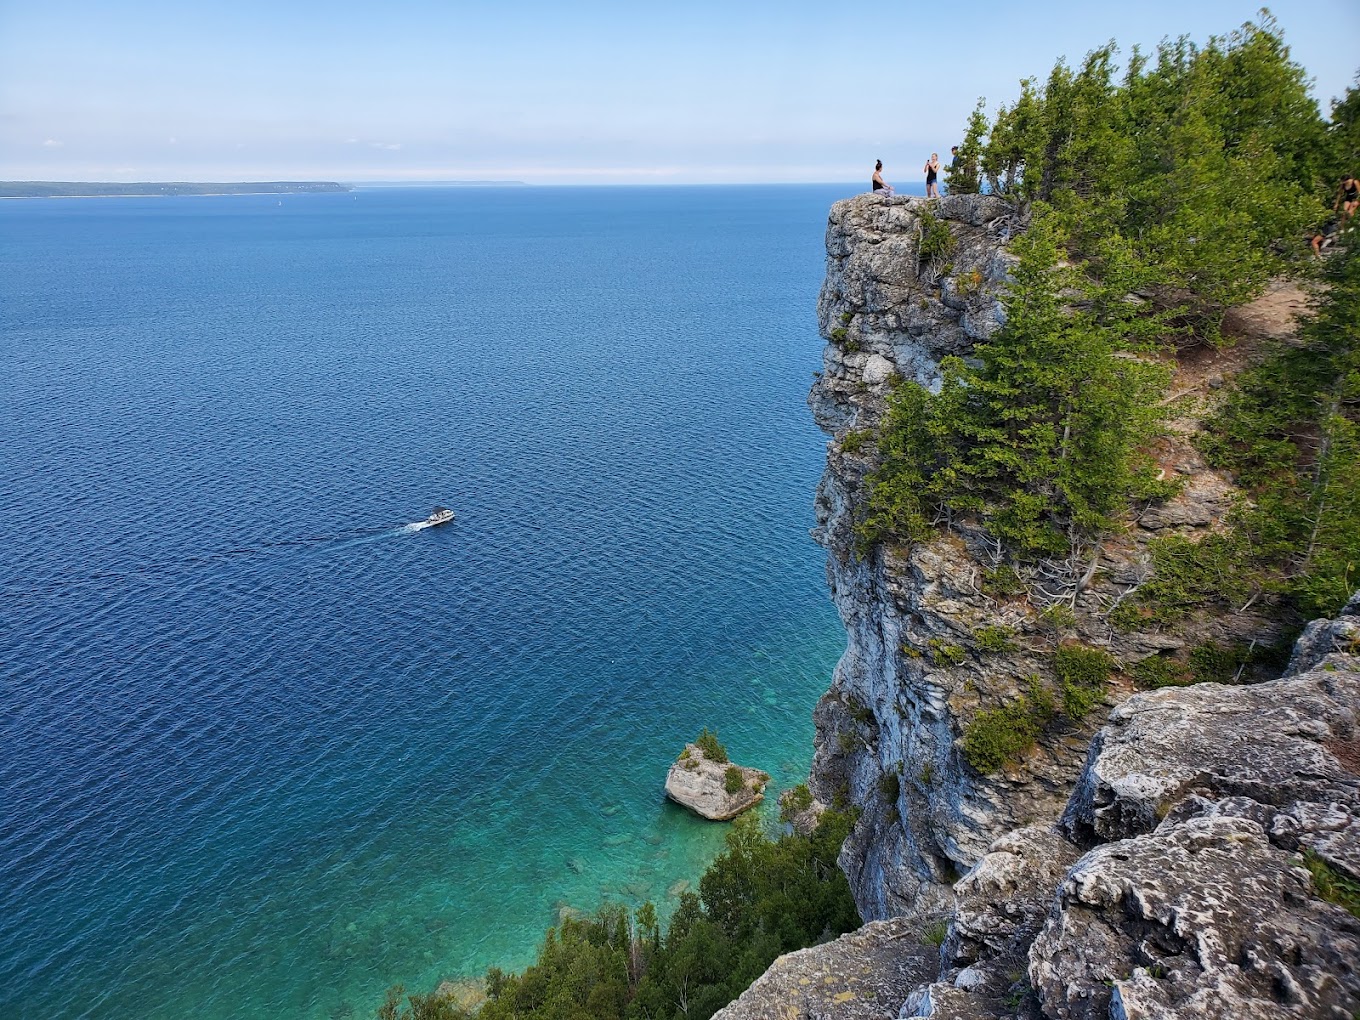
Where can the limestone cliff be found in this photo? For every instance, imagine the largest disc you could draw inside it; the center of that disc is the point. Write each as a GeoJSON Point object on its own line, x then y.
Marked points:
{"type": "Point", "coordinates": [1176, 853]}
{"type": "Point", "coordinates": [1196, 872]}
{"type": "Point", "coordinates": [895, 301]}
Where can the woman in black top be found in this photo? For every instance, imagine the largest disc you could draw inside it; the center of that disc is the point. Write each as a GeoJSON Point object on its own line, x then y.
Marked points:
{"type": "Point", "coordinates": [879, 183]}
{"type": "Point", "coordinates": [932, 169]}
{"type": "Point", "coordinates": [1347, 199]}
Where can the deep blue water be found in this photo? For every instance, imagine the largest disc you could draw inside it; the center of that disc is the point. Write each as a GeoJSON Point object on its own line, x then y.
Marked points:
{"type": "Point", "coordinates": [265, 750]}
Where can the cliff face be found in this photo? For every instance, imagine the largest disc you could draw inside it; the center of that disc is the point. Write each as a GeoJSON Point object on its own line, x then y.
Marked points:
{"type": "Point", "coordinates": [896, 300]}
{"type": "Point", "coordinates": [1184, 852]}
{"type": "Point", "coordinates": [1200, 870]}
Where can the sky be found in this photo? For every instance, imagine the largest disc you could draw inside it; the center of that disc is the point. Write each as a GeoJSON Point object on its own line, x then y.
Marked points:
{"type": "Point", "coordinates": [741, 91]}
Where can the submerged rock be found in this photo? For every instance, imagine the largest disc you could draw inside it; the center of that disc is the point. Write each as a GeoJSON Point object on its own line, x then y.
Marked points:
{"type": "Point", "coordinates": [702, 785]}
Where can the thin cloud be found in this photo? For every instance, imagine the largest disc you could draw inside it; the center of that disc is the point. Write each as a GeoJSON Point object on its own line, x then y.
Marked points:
{"type": "Point", "coordinates": [52, 143]}
{"type": "Point", "coordinates": [388, 146]}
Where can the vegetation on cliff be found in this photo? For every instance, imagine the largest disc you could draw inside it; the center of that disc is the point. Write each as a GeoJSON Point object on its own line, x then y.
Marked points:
{"type": "Point", "coordinates": [1151, 201]}
{"type": "Point", "coordinates": [1156, 202]}
{"type": "Point", "coordinates": [1042, 433]}
{"type": "Point", "coordinates": [760, 898]}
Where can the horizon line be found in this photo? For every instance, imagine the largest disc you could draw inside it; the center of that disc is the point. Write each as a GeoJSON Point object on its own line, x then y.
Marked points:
{"type": "Point", "coordinates": [450, 182]}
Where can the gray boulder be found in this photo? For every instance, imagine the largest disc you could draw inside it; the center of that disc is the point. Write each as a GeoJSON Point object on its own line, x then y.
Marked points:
{"type": "Point", "coordinates": [1229, 819]}
{"type": "Point", "coordinates": [701, 785]}
{"type": "Point", "coordinates": [865, 975]}
{"type": "Point", "coordinates": [1205, 919]}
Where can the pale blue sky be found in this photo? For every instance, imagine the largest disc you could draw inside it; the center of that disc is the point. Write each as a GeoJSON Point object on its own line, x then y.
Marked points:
{"type": "Point", "coordinates": [738, 91]}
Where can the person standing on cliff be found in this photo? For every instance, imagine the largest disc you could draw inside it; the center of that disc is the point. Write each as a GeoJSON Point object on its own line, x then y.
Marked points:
{"type": "Point", "coordinates": [879, 184]}
{"type": "Point", "coordinates": [1347, 199]}
{"type": "Point", "coordinates": [932, 169]}
{"type": "Point", "coordinates": [954, 166]}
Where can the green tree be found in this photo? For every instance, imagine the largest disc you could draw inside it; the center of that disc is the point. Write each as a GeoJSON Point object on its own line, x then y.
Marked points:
{"type": "Point", "coordinates": [761, 897]}
{"type": "Point", "coordinates": [1203, 164]}
{"type": "Point", "coordinates": [1343, 142]}
{"type": "Point", "coordinates": [1041, 434]}
{"type": "Point", "coordinates": [967, 179]}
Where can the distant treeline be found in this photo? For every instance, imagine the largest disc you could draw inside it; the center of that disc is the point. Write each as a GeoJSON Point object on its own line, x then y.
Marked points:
{"type": "Point", "coordinates": [78, 189]}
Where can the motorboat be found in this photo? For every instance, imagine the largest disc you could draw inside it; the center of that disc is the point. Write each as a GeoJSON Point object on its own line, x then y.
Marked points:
{"type": "Point", "coordinates": [440, 515]}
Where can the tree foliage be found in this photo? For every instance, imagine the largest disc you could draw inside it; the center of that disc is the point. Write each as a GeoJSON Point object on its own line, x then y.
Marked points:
{"type": "Point", "coordinates": [708, 742]}
{"type": "Point", "coordinates": [1040, 433]}
{"type": "Point", "coordinates": [963, 176]}
{"type": "Point", "coordinates": [1158, 196]}
{"type": "Point", "coordinates": [760, 898]}
{"type": "Point", "coordinates": [1202, 167]}
{"type": "Point", "coordinates": [1343, 138]}
{"type": "Point", "coordinates": [1290, 433]}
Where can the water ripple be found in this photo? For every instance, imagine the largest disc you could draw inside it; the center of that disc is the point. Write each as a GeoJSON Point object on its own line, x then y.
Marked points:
{"type": "Point", "coordinates": [268, 748]}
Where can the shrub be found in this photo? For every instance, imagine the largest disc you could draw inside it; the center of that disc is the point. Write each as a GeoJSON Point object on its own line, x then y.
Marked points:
{"type": "Point", "coordinates": [854, 440]}
{"type": "Point", "coordinates": [889, 786]}
{"type": "Point", "coordinates": [935, 934]}
{"type": "Point", "coordinates": [1059, 617]}
{"type": "Point", "coordinates": [794, 802]}
{"type": "Point", "coordinates": [1000, 736]}
{"type": "Point", "coordinates": [942, 653]}
{"type": "Point", "coordinates": [1213, 663]}
{"type": "Point", "coordinates": [1082, 675]}
{"type": "Point", "coordinates": [937, 242]}
{"type": "Point", "coordinates": [420, 1007]}
{"type": "Point", "coordinates": [712, 748]}
{"type": "Point", "coordinates": [1332, 885]}
{"type": "Point", "coordinates": [862, 714]}
{"type": "Point", "coordinates": [993, 638]}
{"type": "Point", "coordinates": [1002, 582]}
{"type": "Point", "coordinates": [969, 283]}
{"type": "Point", "coordinates": [733, 780]}
{"type": "Point", "coordinates": [1156, 671]}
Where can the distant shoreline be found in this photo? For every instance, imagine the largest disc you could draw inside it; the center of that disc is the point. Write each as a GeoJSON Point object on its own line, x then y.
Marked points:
{"type": "Point", "coordinates": [166, 189]}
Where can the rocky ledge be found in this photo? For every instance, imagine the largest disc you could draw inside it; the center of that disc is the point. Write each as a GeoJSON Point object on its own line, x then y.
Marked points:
{"type": "Point", "coordinates": [715, 789]}
{"type": "Point", "coordinates": [1206, 866]}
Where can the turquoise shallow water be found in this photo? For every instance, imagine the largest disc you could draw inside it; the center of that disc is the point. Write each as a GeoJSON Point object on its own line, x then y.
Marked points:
{"type": "Point", "coordinates": [267, 749]}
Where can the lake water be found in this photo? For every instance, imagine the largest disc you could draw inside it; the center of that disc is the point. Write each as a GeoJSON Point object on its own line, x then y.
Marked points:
{"type": "Point", "coordinates": [264, 748]}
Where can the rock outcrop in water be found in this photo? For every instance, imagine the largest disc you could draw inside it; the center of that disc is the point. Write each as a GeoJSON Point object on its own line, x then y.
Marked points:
{"type": "Point", "coordinates": [718, 790]}
{"type": "Point", "coordinates": [1166, 856]}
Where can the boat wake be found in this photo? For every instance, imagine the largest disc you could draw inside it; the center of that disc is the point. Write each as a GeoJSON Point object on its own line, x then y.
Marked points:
{"type": "Point", "coordinates": [322, 544]}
